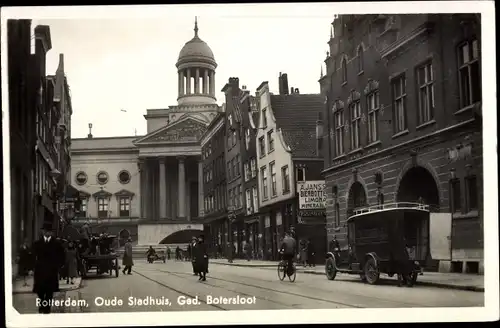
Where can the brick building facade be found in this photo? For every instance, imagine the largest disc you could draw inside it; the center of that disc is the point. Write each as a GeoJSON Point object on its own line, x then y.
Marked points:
{"type": "Point", "coordinates": [403, 123]}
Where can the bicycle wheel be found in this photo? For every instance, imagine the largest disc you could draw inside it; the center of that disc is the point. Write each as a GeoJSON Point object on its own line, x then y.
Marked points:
{"type": "Point", "coordinates": [294, 273]}
{"type": "Point", "coordinates": [281, 271]}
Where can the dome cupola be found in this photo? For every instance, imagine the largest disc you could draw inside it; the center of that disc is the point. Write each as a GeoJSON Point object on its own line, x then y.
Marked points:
{"type": "Point", "coordinates": [196, 69]}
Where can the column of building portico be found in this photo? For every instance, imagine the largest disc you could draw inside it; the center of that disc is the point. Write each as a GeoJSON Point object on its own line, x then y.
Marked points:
{"type": "Point", "coordinates": [182, 188]}
{"type": "Point", "coordinates": [142, 188]}
{"type": "Point", "coordinates": [197, 81]}
{"type": "Point", "coordinates": [205, 81]}
{"type": "Point", "coordinates": [147, 191]}
{"type": "Point", "coordinates": [188, 81]}
{"type": "Point", "coordinates": [181, 83]}
{"type": "Point", "coordinates": [200, 189]}
{"type": "Point", "coordinates": [212, 83]}
{"type": "Point", "coordinates": [163, 189]}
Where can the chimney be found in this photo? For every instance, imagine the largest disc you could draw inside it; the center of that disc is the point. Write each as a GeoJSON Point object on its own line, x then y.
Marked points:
{"type": "Point", "coordinates": [284, 81]}
{"type": "Point", "coordinates": [90, 136]}
{"type": "Point", "coordinates": [280, 84]}
{"type": "Point", "coordinates": [234, 82]}
{"type": "Point", "coordinates": [296, 90]}
{"type": "Point", "coordinates": [291, 90]}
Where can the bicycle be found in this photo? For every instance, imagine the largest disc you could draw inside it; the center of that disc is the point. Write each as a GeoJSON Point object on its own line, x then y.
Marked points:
{"type": "Point", "coordinates": [282, 266]}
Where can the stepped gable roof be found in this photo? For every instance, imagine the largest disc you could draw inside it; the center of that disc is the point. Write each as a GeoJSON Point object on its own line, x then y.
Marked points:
{"type": "Point", "coordinates": [296, 115]}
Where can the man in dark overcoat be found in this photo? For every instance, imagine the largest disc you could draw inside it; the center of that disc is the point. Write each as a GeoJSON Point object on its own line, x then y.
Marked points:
{"type": "Point", "coordinates": [128, 262]}
{"type": "Point", "coordinates": [201, 258]}
{"type": "Point", "coordinates": [48, 255]}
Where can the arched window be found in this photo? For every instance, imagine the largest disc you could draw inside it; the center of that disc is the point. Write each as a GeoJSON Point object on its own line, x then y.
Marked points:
{"type": "Point", "coordinates": [360, 59]}
{"type": "Point", "coordinates": [344, 70]}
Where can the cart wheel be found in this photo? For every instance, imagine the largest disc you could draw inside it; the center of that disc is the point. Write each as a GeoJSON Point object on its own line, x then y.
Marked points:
{"type": "Point", "coordinates": [372, 273]}
{"type": "Point", "coordinates": [330, 268]}
{"type": "Point", "coordinates": [281, 270]}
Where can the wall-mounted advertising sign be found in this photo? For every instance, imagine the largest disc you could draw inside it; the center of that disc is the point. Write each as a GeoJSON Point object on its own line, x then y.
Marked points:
{"type": "Point", "coordinates": [312, 195]}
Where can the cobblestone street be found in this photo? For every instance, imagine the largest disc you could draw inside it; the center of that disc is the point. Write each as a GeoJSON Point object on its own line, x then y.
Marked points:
{"type": "Point", "coordinates": [174, 288]}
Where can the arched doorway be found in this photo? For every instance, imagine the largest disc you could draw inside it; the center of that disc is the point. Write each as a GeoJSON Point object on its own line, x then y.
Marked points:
{"type": "Point", "coordinates": [418, 186]}
{"type": "Point", "coordinates": [356, 197]}
{"type": "Point", "coordinates": [181, 237]}
{"type": "Point", "coordinates": [123, 236]}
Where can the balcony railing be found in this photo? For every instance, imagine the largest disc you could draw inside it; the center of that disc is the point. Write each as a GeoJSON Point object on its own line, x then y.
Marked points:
{"type": "Point", "coordinates": [105, 220]}
{"type": "Point", "coordinates": [391, 206]}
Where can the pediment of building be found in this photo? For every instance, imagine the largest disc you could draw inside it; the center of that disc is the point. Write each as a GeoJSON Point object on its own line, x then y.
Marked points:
{"type": "Point", "coordinates": [186, 130]}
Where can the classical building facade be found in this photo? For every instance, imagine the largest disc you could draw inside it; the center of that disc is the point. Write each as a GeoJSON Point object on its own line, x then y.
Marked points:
{"type": "Point", "coordinates": [288, 152]}
{"type": "Point", "coordinates": [150, 187]}
{"type": "Point", "coordinates": [403, 124]}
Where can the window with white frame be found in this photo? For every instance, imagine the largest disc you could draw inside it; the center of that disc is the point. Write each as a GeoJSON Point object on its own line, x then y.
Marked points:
{"type": "Point", "coordinates": [262, 147]}
{"type": "Point", "coordinates": [373, 107]}
{"type": "Point", "coordinates": [264, 118]}
{"type": "Point", "coordinates": [247, 138]}
{"type": "Point", "coordinates": [263, 174]}
{"type": "Point", "coordinates": [124, 206]}
{"type": "Point", "coordinates": [83, 208]}
{"type": "Point", "coordinates": [272, 169]}
{"type": "Point", "coordinates": [360, 59]}
{"type": "Point", "coordinates": [339, 131]}
{"type": "Point", "coordinates": [255, 196]}
{"type": "Point", "coordinates": [240, 196]}
{"type": "Point", "coordinates": [301, 174]}
{"type": "Point", "coordinates": [355, 110]}
{"type": "Point", "coordinates": [253, 164]}
{"type": "Point", "coordinates": [246, 168]}
{"type": "Point", "coordinates": [270, 141]}
{"type": "Point", "coordinates": [344, 70]}
{"type": "Point", "coordinates": [248, 194]}
{"type": "Point", "coordinates": [102, 207]}
{"type": "Point", "coordinates": [469, 73]}
{"type": "Point", "coordinates": [285, 176]}
{"type": "Point", "coordinates": [399, 103]}
{"type": "Point", "coordinates": [425, 82]}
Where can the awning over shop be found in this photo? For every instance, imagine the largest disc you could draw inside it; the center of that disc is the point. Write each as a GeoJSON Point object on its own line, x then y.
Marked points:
{"type": "Point", "coordinates": [72, 193]}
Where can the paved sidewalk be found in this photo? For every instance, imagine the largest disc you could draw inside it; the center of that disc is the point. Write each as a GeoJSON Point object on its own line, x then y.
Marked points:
{"type": "Point", "coordinates": [18, 286]}
{"type": "Point", "coordinates": [459, 281]}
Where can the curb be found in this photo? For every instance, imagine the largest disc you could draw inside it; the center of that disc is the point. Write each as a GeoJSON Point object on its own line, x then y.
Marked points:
{"type": "Point", "coordinates": [64, 290]}
{"type": "Point", "coordinates": [422, 283]}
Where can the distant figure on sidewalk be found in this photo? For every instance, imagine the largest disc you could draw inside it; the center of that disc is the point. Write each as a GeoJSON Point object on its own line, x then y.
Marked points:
{"type": "Point", "coordinates": [200, 258]}
{"type": "Point", "coordinates": [24, 261]}
{"type": "Point", "coordinates": [311, 254]}
{"type": "Point", "coordinates": [168, 253]}
{"type": "Point", "coordinates": [303, 252]}
{"type": "Point", "coordinates": [71, 262]}
{"type": "Point", "coordinates": [48, 254]}
{"type": "Point", "coordinates": [191, 253]}
{"type": "Point", "coordinates": [248, 251]}
{"type": "Point", "coordinates": [128, 262]}
{"type": "Point", "coordinates": [177, 253]}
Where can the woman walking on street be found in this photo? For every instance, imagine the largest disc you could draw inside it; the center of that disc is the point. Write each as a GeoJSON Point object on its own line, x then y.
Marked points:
{"type": "Point", "coordinates": [71, 262]}
{"type": "Point", "coordinates": [303, 252]}
{"type": "Point", "coordinates": [127, 257]}
{"type": "Point", "coordinates": [311, 253]}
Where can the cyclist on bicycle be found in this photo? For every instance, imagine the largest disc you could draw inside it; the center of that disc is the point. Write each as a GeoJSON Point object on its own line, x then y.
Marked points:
{"type": "Point", "coordinates": [288, 250]}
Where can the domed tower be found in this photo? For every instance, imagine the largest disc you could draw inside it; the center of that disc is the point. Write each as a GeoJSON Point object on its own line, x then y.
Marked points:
{"type": "Point", "coordinates": [196, 67]}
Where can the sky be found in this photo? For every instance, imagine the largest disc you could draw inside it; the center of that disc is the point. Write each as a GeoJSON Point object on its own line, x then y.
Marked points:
{"type": "Point", "coordinates": [129, 63]}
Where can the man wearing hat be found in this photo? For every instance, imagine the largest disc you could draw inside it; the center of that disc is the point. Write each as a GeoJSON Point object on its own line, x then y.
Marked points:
{"type": "Point", "coordinates": [127, 257]}
{"type": "Point", "coordinates": [48, 255]}
{"type": "Point", "coordinates": [191, 254]}
{"type": "Point", "coordinates": [201, 258]}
